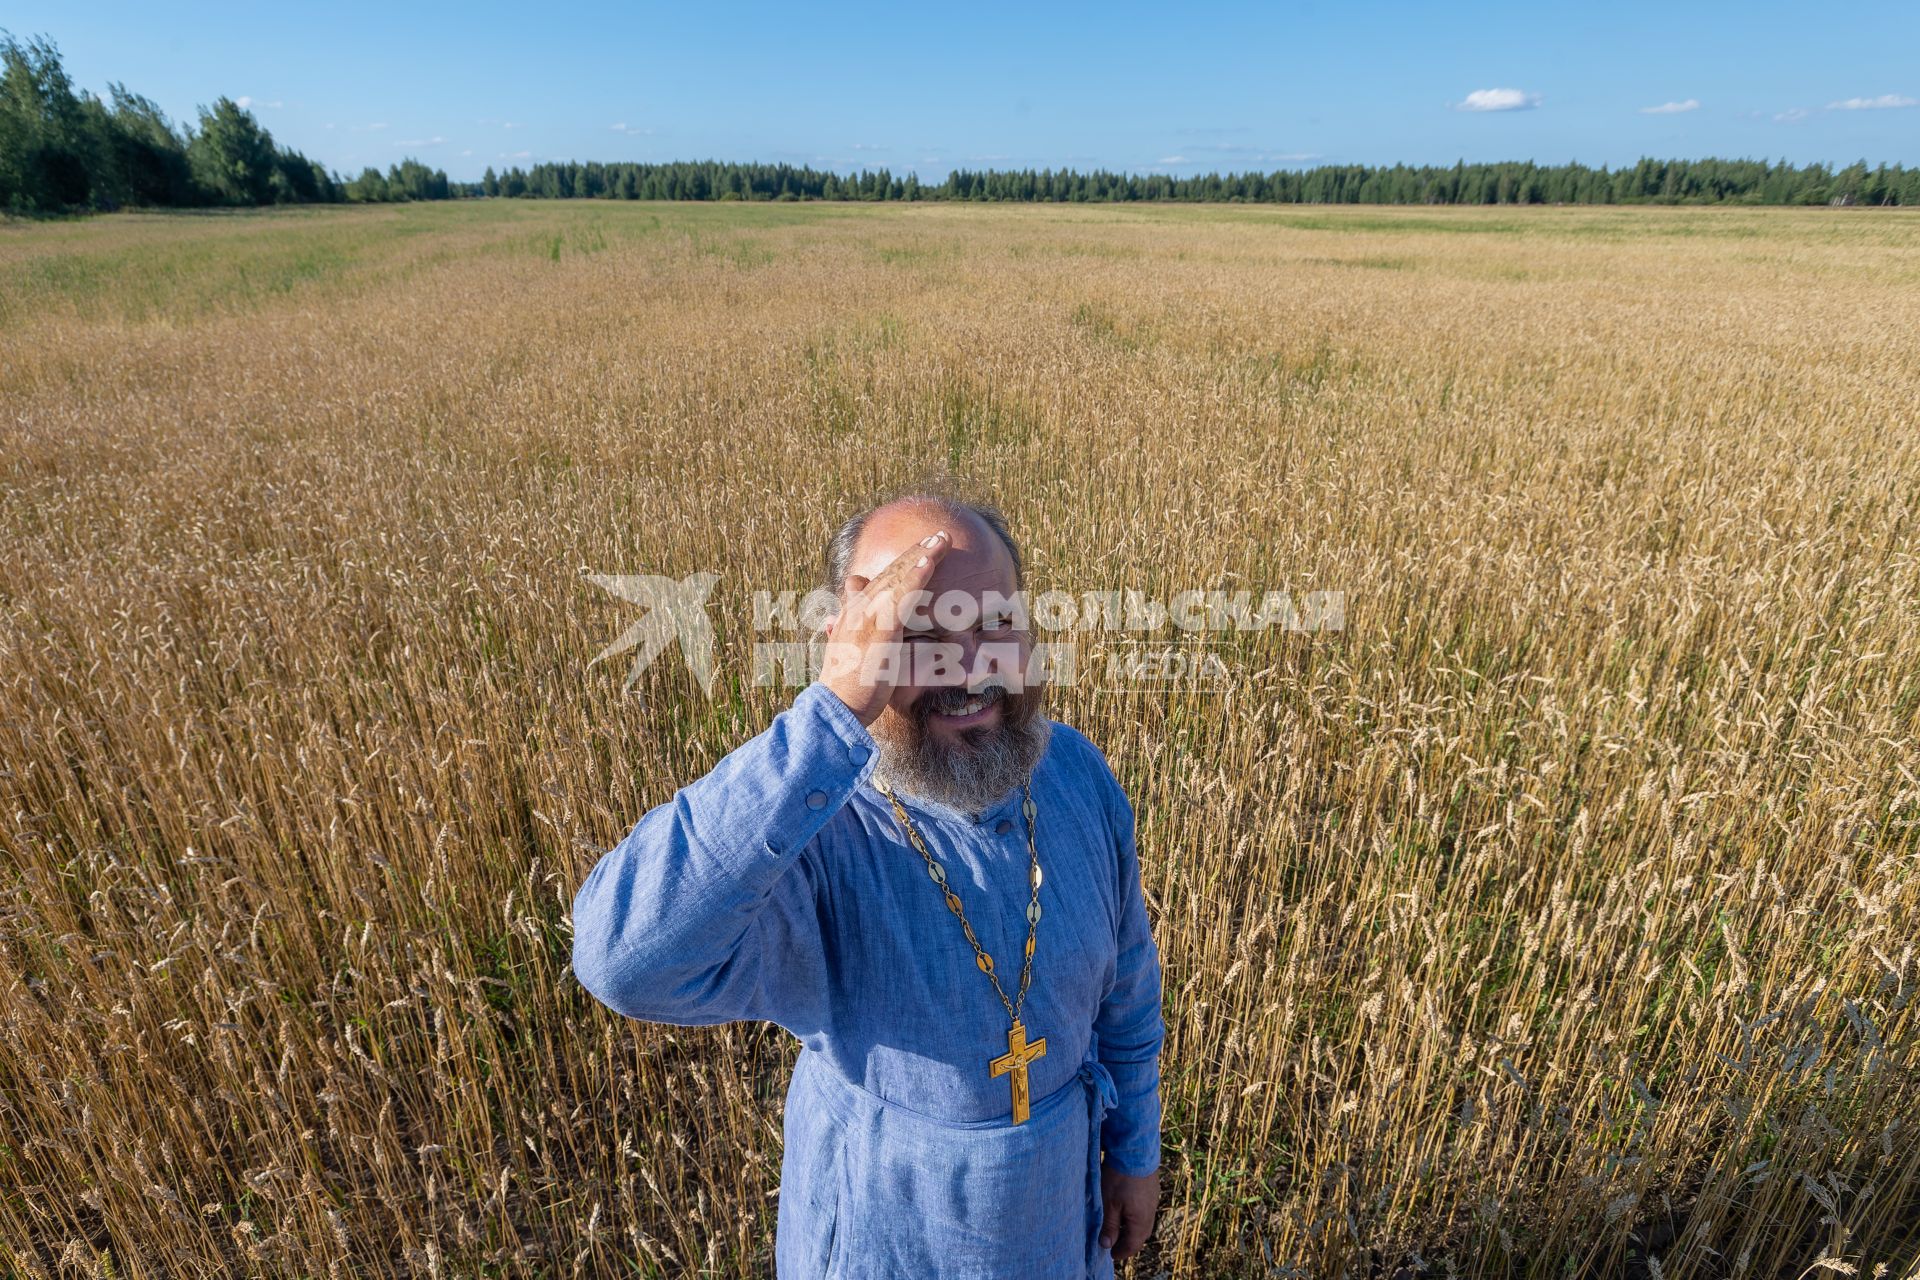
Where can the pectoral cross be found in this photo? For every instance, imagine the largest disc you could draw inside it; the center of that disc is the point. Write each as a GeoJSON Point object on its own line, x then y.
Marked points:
{"type": "Point", "coordinates": [1019, 1053]}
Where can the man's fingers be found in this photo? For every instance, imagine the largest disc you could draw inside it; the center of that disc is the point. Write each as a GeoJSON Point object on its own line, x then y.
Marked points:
{"type": "Point", "coordinates": [1133, 1233]}
{"type": "Point", "coordinates": [908, 572]}
{"type": "Point", "coordinates": [914, 566]}
{"type": "Point", "coordinates": [1111, 1218]}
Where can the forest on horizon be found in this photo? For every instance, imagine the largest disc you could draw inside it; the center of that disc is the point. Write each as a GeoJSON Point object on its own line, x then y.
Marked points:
{"type": "Point", "coordinates": [68, 151]}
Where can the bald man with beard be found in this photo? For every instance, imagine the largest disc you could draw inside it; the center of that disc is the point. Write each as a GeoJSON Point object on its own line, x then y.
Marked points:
{"type": "Point", "coordinates": [935, 889]}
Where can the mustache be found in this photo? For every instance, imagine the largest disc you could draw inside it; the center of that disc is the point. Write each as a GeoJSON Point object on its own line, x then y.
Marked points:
{"type": "Point", "coordinates": [979, 766]}
{"type": "Point", "coordinates": [953, 697]}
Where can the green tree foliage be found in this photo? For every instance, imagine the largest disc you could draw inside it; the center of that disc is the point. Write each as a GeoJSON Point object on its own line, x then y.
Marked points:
{"type": "Point", "coordinates": [232, 156]}
{"type": "Point", "coordinates": [1514, 182]}
{"type": "Point", "coordinates": [149, 158]}
{"type": "Point", "coordinates": [49, 147]}
{"type": "Point", "coordinates": [64, 150]}
{"type": "Point", "coordinates": [369, 188]}
{"type": "Point", "coordinates": [408, 180]}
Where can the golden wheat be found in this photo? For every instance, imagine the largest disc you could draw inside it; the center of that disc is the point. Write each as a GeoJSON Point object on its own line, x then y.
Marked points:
{"type": "Point", "coordinates": [1558, 914]}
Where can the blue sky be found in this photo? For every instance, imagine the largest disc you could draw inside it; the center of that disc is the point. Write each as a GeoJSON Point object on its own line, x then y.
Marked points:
{"type": "Point", "coordinates": [1150, 88]}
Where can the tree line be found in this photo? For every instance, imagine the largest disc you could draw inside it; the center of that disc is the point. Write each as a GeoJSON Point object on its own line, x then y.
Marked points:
{"type": "Point", "coordinates": [63, 150]}
{"type": "Point", "coordinates": [1509, 182]}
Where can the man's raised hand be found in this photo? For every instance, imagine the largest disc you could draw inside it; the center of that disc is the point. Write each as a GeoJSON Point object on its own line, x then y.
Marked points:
{"type": "Point", "coordinates": [864, 659]}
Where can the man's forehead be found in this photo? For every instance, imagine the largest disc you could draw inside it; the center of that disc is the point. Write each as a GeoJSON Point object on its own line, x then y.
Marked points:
{"type": "Point", "coordinates": [978, 562]}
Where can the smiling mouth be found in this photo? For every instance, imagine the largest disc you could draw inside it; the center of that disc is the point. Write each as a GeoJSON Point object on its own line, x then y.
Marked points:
{"type": "Point", "coordinates": [959, 707]}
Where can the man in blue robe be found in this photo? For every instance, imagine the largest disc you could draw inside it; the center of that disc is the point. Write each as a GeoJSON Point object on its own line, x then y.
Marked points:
{"type": "Point", "coordinates": [936, 1125]}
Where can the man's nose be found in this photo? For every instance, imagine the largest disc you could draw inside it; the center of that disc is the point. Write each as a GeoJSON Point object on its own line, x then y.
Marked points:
{"type": "Point", "coordinates": [949, 664]}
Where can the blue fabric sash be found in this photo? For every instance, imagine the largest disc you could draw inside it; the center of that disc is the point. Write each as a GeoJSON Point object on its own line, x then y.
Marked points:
{"type": "Point", "coordinates": [1101, 1098]}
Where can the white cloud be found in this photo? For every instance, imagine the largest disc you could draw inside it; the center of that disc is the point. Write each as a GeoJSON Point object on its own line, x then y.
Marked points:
{"type": "Point", "coordinates": [1671, 108]}
{"type": "Point", "coordinates": [467, 152]}
{"type": "Point", "coordinates": [381, 125]}
{"type": "Point", "coordinates": [246, 103]}
{"type": "Point", "coordinates": [1240, 151]}
{"type": "Point", "coordinates": [1885, 102]}
{"type": "Point", "coordinates": [1239, 158]}
{"type": "Point", "coordinates": [1499, 100]}
{"type": "Point", "coordinates": [1790, 115]}
{"type": "Point", "coordinates": [631, 130]}
{"type": "Point", "coordinates": [434, 141]}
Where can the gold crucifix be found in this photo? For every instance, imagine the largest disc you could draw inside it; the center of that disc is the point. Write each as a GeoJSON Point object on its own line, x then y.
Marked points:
{"type": "Point", "coordinates": [1019, 1053]}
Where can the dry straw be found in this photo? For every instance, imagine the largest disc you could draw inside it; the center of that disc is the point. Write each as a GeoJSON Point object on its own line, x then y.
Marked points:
{"type": "Point", "coordinates": [1560, 913]}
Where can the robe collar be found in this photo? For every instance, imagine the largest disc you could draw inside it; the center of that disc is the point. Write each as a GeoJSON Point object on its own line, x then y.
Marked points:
{"type": "Point", "coordinates": [1005, 806]}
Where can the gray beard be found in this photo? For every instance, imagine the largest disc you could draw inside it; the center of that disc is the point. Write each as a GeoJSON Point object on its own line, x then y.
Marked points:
{"type": "Point", "coordinates": [965, 778]}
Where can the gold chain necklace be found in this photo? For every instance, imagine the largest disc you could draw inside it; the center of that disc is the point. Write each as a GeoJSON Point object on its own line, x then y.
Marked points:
{"type": "Point", "coordinates": [1019, 1052]}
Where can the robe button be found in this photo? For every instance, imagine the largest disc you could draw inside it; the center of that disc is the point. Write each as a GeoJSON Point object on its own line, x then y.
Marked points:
{"type": "Point", "coordinates": [816, 800]}
{"type": "Point", "coordinates": [859, 754]}
{"type": "Point", "coordinates": [1002, 827]}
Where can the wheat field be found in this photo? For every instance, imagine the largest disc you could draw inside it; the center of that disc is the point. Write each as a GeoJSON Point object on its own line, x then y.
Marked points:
{"type": "Point", "coordinates": [1556, 916]}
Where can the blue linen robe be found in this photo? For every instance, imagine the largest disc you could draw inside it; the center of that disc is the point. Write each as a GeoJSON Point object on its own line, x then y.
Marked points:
{"type": "Point", "coordinates": [780, 887]}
